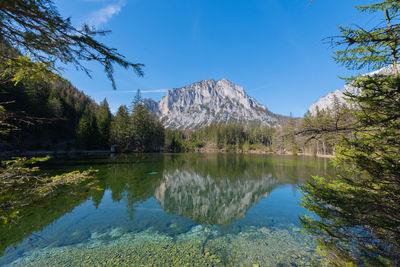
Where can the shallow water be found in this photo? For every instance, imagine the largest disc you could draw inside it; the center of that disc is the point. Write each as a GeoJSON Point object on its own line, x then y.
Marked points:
{"type": "Point", "coordinates": [171, 210]}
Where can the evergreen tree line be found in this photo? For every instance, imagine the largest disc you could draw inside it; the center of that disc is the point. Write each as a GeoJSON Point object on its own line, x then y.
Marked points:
{"type": "Point", "coordinates": [317, 133]}
{"type": "Point", "coordinates": [45, 114]}
{"type": "Point", "coordinates": [55, 115]}
{"type": "Point", "coordinates": [137, 129]}
{"type": "Point", "coordinates": [229, 137]}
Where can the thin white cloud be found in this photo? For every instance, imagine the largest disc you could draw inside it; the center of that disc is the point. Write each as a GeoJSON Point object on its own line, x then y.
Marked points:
{"type": "Point", "coordinates": [102, 16]}
{"type": "Point", "coordinates": [148, 91]}
{"type": "Point", "coordinates": [135, 91]}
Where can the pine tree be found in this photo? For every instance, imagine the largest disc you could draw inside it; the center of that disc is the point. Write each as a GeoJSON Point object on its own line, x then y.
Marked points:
{"type": "Point", "coordinates": [55, 106]}
{"type": "Point", "coordinates": [157, 133]}
{"type": "Point", "coordinates": [87, 132]}
{"type": "Point", "coordinates": [141, 124]}
{"type": "Point", "coordinates": [103, 118]}
{"type": "Point", "coordinates": [359, 208]}
{"type": "Point", "coordinates": [120, 132]}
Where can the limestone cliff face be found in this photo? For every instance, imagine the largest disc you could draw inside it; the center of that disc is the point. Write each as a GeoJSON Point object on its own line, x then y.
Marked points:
{"type": "Point", "coordinates": [209, 101]}
{"type": "Point", "coordinates": [328, 100]}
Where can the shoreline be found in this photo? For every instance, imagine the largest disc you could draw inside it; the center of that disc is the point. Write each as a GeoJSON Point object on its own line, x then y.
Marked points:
{"type": "Point", "coordinates": [106, 152]}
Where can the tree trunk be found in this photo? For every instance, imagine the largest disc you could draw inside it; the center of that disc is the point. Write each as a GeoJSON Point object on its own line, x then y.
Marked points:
{"type": "Point", "coordinates": [393, 46]}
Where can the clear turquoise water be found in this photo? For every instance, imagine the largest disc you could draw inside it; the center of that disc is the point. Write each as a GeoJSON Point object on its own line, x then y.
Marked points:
{"type": "Point", "coordinates": [171, 210]}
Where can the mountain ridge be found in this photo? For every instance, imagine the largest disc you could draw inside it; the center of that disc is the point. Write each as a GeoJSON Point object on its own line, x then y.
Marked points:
{"type": "Point", "coordinates": [208, 102]}
{"type": "Point", "coordinates": [327, 101]}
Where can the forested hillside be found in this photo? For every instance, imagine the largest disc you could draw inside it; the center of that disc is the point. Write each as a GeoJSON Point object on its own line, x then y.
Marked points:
{"type": "Point", "coordinates": [57, 116]}
{"type": "Point", "coordinates": [46, 114]}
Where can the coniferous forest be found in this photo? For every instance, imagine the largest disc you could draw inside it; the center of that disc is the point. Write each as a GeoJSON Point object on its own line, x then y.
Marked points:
{"type": "Point", "coordinates": [58, 117]}
{"type": "Point", "coordinates": [355, 210]}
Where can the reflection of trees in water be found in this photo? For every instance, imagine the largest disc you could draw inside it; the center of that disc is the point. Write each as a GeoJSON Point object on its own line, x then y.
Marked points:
{"type": "Point", "coordinates": [36, 218]}
{"type": "Point", "coordinates": [220, 188]}
{"type": "Point", "coordinates": [201, 187]}
{"type": "Point", "coordinates": [122, 175]}
{"type": "Point", "coordinates": [288, 169]}
{"type": "Point", "coordinates": [126, 176]}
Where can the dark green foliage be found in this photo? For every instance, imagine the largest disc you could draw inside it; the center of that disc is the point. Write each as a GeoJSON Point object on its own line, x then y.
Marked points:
{"type": "Point", "coordinates": [147, 130]}
{"type": "Point", "coordinates": [36, 29]}
{"type": "Point", "coordinates": [235, 137]}
{"type": "Point", "coordinates": [46, 108]}
{"type": "Point", "coordinates": [323, 130]}
{"type": "Point", "coordinates": [376, 47]}
{"type": "Point", "coordinates": [5, 126]}
{"type": "Point", "coordinates": [47, 114]}
{"type": "Point", "coordinates": [34, 218]}
{"type": "Point", "coordinates": [139, 131]}
{"type": "Point", "coordinates": [141, 125]}
{"type": "Point", "coordinates": [103, 119]}
{"type": "Point", "coordinates": [87, 134]}
{"type": "Point", "coordinates": [40, 104]}
{"type": "Point", "coordinates": [22, 186]}
{"type": "Point", "coordinates": [174, 140]}
{"type": "Point", "coordinates": [55, 106]}
{"type": "Point", "coordinates": [120, 129]}
{"type": "Point", "coordinates": [289, 138]}
{"type": "Point", "coordinates": [359, 209]}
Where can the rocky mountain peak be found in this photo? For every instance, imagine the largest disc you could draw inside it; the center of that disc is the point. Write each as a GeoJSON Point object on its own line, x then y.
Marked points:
{"type": "Point", "coordinates": [328, 100]}
{"type": "Point", "coordinates": [225, 82]}
{"type": "Point", "coordinates": [210, 101]}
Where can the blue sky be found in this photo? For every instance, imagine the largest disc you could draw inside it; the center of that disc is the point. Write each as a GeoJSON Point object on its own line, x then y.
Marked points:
{"type": "Point", "coordinates": [273, 48]}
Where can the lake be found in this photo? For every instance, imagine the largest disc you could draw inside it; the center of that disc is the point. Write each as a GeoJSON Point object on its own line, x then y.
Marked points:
{"type": "Point", "coordinates": [170, 210]}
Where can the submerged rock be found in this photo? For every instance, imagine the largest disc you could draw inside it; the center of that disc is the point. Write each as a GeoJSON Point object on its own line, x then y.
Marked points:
{"type": "Point", "coordinates": [116, 232]}
{"type": "Point", "coordinates": [264, 230]}
{"type": "Point", "coordinates": [200, 246]}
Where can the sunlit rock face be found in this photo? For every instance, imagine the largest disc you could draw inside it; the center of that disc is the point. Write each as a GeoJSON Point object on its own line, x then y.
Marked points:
{"type": "Point", "coordinates": [208, 200]}
{"type": "Point", "coordinates": [210, 101]}
{"type": "Point", "coordinates": [328, 100]}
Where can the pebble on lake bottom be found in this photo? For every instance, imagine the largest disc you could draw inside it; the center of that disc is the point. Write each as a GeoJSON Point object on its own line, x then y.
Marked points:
{"type": "Point", "coordinates": [201, 246]}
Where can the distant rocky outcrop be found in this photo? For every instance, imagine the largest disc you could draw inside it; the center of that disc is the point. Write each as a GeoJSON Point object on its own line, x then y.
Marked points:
{"type": "Point", "coordinates": [328, 100]}
{"type": "Point", "coordinates": [209, 101]}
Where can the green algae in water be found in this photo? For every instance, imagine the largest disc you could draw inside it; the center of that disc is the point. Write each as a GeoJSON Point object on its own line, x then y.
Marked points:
{"type": "Point", "coordinates": [194, 248]}
{"type": "Point", "coordinates": [204, 210]}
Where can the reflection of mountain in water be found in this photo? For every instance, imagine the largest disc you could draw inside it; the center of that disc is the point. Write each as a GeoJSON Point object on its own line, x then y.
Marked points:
{"type": "Point", "coordinates": [220, 188]}
{"type": "Point", "coordinates": [209, 200]}
{"type": "Point", "coordinates": [207, 188]}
